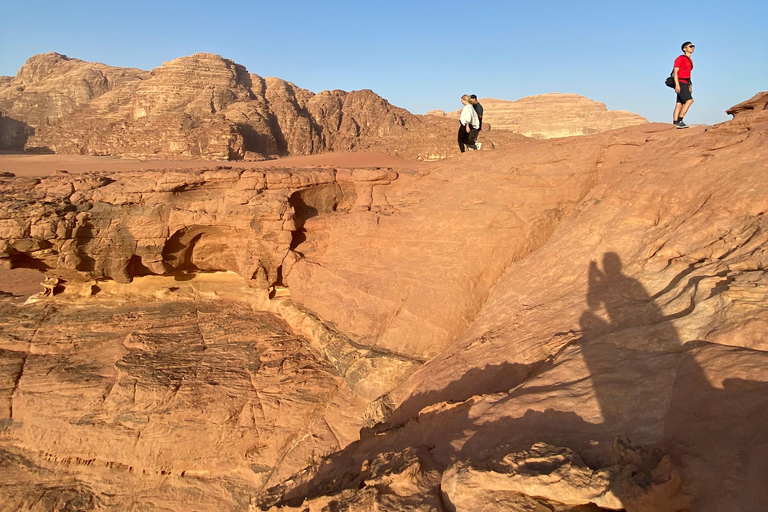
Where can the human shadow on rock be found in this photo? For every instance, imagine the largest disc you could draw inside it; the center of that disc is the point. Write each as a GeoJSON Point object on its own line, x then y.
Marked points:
{"type": "Point", "coordinates": [651, 388]}
{"type": "Point", "coordinates": [492, 378]}
{"type": "Point", "coordinates": [655, 401]}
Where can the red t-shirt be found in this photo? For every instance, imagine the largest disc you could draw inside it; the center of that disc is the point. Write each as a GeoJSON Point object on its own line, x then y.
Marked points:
{"type": "Point", "coordinates": [685, 65]}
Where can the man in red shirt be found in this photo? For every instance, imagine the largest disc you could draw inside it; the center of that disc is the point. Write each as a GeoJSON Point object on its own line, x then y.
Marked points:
{"type": "Point", "coordinates": [683, 87]}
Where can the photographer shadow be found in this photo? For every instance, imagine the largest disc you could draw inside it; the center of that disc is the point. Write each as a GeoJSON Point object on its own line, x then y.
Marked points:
{"type": "Point", "coordinates": [626, 394]}
{"type": "Point", "coordinates": [673, 397]}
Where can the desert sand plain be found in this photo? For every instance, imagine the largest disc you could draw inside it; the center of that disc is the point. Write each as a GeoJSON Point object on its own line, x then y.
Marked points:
{"type": "Point", "coordinates": [573, 324]}
{"type": "Point", "coordinates": [22, 164]}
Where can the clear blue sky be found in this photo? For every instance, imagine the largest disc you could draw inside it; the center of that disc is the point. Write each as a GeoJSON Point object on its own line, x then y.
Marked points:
{"type": "Point", "coordinates": [424, 54]}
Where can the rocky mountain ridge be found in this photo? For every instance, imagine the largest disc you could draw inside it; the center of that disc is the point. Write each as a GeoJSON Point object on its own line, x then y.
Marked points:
{"type": "Point", "coordinates": [201, 106]}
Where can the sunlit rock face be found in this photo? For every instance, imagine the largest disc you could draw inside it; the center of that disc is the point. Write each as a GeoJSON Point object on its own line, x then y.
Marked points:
{"type": "Point", "coordinates": [566, 325]}
{"type": "Point", "coordinates": [619, 364]}
{"type": "Point", "coordinates": [119, 226]}
{"type": "Point", "coordinates": [50, 86]}
{"type": "Point", "coordinates": [197, 398]}
{"type": "Point", "coordinates": [202, 106]}
{"type": "Point", "coordinates": [754, 105]}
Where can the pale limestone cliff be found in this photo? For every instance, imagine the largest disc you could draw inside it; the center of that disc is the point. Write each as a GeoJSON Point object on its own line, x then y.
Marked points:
{"type": "Point", "coordinates": [547, 116]}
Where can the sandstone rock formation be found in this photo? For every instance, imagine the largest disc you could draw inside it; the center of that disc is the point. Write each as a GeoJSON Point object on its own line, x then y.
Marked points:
{"type": "Point", "coordinates": [201, 106]}
{"type": "Point", "coordinates": [547, 116]}
{"type": "Point", "coordinates": [757, 103]}
{"type": "Point", "coordinates": [638, 309]}
{"type": "Point", "coordinates": [97, 226]}
{"type": "Point", "coordinates": [631, 313]}
{"type": "Point", "coordinates": [568, 325]}
{"type": "Point", "coordinates": [172, 394]}
{"type": "Point", "coordinates": [50, 86]}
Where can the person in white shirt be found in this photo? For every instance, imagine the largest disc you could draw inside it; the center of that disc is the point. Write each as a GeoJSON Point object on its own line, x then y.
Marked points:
{"type": "Point", "coordinates": [469, 125]}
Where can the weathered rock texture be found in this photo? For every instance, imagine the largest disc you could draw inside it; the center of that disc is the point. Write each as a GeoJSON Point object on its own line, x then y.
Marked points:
{"type": "Point", "coordinates": [96, 226]}
{"type": "Point", "coordinates": [568, 325]}
{"type": "Point", "coordinates": [102, 225]}
{"type": "Point", "coordinates": [547, 116]}
{"type": "Point", "coordinates": [50, 86]}
{"type": "Point", "coordinates": [201, 106]}
{"type": "Point", "coordinates": [165, 395]}
{"type": "Point", "coordinates": [640, 314]}
{"type": "Point", "coordinates": [757, 103]}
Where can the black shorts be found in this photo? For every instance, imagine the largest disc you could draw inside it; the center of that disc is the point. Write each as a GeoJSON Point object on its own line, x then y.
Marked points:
{"type": "Point", "coordinates": [685, 92]}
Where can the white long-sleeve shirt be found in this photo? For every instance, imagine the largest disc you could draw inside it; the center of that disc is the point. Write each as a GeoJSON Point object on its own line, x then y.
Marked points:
{"type": "Point", "coordinates": [468, 115]}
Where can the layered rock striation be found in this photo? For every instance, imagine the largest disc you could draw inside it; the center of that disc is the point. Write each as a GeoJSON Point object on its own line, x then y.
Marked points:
{"type": "Point", "coordinates": [629, 343]}
{"type": "Point", "coordinates": [757, 103]}
{"type": "Point", "coordinates": [50, 86]}
{"type": "Point", "coordinates": [80, 230]}
{"type": "Point", "coordinates": [200, 106]}
{"type": "Point", "coordinates": [547, 116]}
{"type": "Point", "coordinates": [568, 325]}
{"type": "Point", "coordinates": [102, 226]}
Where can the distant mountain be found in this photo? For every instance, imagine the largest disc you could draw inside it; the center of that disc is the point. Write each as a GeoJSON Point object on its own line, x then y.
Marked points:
{"type": "Point", "coordinates": [200, 106]}
{"type": "Point", "coordinates": [551, 115]}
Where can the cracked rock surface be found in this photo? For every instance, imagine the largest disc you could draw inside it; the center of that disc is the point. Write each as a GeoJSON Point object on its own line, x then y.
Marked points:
{"type": "Point", "coordinates": [205, 391]}
{"type": "Point", "coordinates": [569, 325]}
{"type": "Point", "coordinates": [640, 315]}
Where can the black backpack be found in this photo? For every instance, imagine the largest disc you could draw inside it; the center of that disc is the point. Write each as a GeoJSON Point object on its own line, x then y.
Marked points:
{"type": "Point", "coordinates": [670, 81]}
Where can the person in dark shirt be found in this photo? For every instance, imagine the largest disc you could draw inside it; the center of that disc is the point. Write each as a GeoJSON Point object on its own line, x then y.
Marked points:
{"type": "Point", "coordinates": [681, 72]}
{"type": "Point", "coordinates": [479, 109]}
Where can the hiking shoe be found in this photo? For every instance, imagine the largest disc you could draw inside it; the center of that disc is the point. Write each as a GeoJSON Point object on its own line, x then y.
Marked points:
{"type": "Point", "coordinates": [681, 124]}
{"type": "Point", "coordinates": [479, 145]}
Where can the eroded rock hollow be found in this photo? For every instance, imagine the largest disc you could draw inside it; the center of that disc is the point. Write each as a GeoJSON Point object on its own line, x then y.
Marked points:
{"type": "Point", "coordinates": [561, 325]}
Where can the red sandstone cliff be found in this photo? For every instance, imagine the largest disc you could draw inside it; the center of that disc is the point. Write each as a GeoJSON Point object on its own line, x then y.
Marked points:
{"type": "Point", "coordinates": [568, 325]}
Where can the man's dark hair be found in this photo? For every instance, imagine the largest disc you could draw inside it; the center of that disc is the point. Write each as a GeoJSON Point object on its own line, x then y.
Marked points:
{"type": "Point", "coordinates": [473, 96]}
